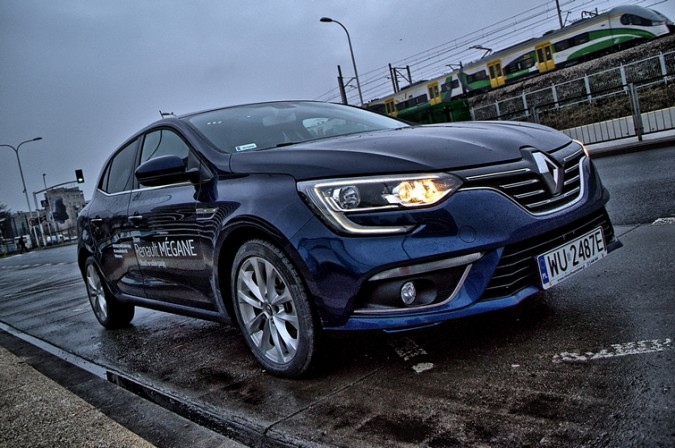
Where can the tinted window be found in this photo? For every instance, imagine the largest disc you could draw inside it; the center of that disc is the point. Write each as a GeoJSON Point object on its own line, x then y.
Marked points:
{"type": "Point", "coordinates": [162, 143]}
{"type": "Point", "coordinates": [118, 176]}
{"type": "Point", "coordinates": [632, 19]}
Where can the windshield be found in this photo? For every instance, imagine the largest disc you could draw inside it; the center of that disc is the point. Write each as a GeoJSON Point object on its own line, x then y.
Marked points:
{"type": "Point", "coordinates": [255, 127]}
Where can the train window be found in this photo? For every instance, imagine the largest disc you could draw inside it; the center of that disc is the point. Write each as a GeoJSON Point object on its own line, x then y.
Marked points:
{"type": "Point", "coordinates": [580, 39]}
{"type": "Point", "coordinates": [449, 85]}
{"type": "Point", "coordinates": [632, 19]}
{"type": "Point", "coordinates": [522, 63]}
{"type": "Point", "coordinates": [390, 106]}
{"type": "Point", "coordinates": [478, 76]}
{"type": "Point", "coordinates": [562, 45]}
{"type": "Point", "coordinates": [410, 102]}
{"type": "Point", "coordinates": [420, 99]}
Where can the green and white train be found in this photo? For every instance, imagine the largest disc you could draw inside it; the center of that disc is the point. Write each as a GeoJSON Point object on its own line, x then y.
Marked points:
{"type": "Point", "coordinates": [440, 99]}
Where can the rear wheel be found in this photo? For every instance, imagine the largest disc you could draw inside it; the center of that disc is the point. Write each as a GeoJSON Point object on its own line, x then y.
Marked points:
{"type": "Point", "coordinates": [272, 309]}
{"type": "Point", "coordinates": [109, 312]}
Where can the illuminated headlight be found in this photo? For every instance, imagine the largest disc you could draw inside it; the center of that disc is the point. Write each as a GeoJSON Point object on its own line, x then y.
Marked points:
{"type": "Point", "coordinates": [336, 198]}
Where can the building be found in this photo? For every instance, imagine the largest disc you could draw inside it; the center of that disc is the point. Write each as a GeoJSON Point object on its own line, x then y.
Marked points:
{"type": "Point", "coordinates": [63, 205]}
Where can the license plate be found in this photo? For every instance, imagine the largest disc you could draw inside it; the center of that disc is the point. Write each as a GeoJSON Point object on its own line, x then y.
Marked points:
{"type": "Point", "coordinates": [568, 259]}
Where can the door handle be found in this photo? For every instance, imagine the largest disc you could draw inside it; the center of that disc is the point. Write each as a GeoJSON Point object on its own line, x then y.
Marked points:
{"type": "Point", "coordinates": [135, 219]}
{"type": "Point", "coordinates": [96, 221]}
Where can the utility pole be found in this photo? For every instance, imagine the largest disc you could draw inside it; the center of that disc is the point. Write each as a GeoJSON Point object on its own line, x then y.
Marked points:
{"type": "Point", "coordinates": [557, 7]}
{"type": "Point", "coordinates": [341, 85]}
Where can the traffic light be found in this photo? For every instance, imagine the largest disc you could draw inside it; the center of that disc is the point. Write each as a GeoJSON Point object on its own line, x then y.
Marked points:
{"type": "Point", "coordinates": [79, 176]}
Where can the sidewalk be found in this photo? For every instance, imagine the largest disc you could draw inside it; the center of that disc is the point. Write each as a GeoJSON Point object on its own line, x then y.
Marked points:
{"type": "Point", "coordinates": [46, 401]}
{"type": "Point", "coordinates": [632, 144]}
{"type": "Point", "coordinates": [36, 411]}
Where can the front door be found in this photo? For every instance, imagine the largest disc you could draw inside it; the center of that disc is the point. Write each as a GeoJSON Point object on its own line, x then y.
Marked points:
{"type": "Point", "coordinates": [166, 233]}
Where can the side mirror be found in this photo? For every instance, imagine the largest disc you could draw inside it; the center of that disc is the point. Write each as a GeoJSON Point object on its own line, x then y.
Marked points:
{"type": "Point", "coordinates": [163, 170]}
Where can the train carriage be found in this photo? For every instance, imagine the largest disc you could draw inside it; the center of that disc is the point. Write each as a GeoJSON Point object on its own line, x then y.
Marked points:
{"type": "Point", "coordinates": [437, 100]}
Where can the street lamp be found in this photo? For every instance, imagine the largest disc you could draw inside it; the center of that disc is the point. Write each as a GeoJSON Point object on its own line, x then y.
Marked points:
{"type": "Point", "coordinates": [351, 51]}
{"type": "Point", "coordinates": [23, 182]}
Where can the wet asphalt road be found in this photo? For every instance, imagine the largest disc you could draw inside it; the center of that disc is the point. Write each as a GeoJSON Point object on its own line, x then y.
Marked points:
{"type": "Point", "coordinates": [588, 363]}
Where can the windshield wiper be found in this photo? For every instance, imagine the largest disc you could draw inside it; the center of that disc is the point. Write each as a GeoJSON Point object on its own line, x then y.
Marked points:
{"type": "Point", "coordinates": [280, 145]}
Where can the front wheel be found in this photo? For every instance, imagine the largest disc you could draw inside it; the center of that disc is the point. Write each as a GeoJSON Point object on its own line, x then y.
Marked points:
{"type": "Point", "coordinates": [272, 309]}
{"type": "Point", "coordinates": [109, 312]}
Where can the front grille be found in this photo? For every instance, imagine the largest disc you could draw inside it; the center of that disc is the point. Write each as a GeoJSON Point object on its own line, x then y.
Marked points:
{"type": "Point", "coordinates": [523, 182]}
{"type": "Point", "coordinates": [517, 267]}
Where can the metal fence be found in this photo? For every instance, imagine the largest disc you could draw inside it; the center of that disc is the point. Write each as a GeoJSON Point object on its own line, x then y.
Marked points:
{"type": "Point", "coordinates": [629, 100]}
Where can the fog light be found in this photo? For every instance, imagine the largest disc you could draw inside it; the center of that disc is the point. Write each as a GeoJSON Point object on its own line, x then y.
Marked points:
{"type": "Point", "coordinates": [408, 293]}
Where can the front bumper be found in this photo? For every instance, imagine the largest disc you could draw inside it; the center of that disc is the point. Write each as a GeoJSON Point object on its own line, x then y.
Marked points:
{"type": "Point", "coordinates": [500, 279]}
{"type": "Point", "coordinates": [354, 280]}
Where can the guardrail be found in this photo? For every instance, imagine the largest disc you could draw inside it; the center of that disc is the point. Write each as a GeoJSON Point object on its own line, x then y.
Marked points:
{"type": "Point", "coordinates": [630, 100]}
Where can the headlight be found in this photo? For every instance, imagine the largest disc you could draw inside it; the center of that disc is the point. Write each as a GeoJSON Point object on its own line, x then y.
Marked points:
{"type": "Point", "coordinates": [335, 199]}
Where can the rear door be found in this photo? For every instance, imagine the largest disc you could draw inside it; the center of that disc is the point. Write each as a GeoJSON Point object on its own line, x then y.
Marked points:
{"type": "Point", "coordinates": [109, 226]}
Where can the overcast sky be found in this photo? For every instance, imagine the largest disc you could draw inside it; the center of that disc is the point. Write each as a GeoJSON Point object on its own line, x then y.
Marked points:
{"type": "Point", "coordinates": [85, 74]}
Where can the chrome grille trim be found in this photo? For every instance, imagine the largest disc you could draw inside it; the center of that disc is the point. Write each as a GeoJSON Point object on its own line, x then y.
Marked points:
{"type": "Point", "coordinates": [528, 194]}
{"type": "Point", "coordinates": [572, 180]}
{"type": "Point", "coordinates": [521, 184]}
{"type": "Point", "coordinates": [498, 174]}
{"type": "Point", "coordinates": [573, 155]}
{"type": "Point", "coordinates": [525, 187]}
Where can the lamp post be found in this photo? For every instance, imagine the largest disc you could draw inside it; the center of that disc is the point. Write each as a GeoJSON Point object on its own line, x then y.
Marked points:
{"type": "Point", "coordinates": [351, 51]}
{"type": "Point", "coordinates": [23, 182]}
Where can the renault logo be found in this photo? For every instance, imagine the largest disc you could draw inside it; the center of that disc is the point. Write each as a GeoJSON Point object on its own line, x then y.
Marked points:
{"type": "Point", "coordinates": [549, 172]}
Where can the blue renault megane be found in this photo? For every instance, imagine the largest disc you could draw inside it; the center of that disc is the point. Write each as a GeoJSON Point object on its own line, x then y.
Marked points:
{"type": "Point", "coordinates": [293, 218]}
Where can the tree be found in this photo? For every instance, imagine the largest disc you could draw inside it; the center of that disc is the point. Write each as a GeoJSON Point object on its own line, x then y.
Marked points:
{"type": "Point", "coordinates": [5, 222]}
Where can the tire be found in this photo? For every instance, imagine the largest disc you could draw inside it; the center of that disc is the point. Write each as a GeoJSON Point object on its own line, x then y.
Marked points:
{"type": "Point", "coordinates": [109, 312]}
{"type": "Point", "coordinates": [277, 323]}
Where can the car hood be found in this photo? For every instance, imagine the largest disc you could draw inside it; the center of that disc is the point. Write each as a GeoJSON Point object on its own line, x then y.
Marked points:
{"type": "Point", "coordinates": [408, 149]}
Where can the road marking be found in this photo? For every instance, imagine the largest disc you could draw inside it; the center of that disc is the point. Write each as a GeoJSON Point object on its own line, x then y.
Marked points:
{"type": "Point", "coordinates": [662, 221]}
{"type": "Point", "coordinates": [616, 350]}
{"type": "Point", "coordinates": [408, 349]}
{"type": "Point", "coordinates": [423, 367]}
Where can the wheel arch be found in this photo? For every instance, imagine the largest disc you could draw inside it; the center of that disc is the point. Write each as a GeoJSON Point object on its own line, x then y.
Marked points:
{"type": "Point", "coordinates": [82, 255]}
{"type": "Point", "coordinates": [230, 242]}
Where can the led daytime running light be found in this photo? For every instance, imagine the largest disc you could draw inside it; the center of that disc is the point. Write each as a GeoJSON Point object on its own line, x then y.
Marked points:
{"type": "Point", "coordinates": [337, 199]}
